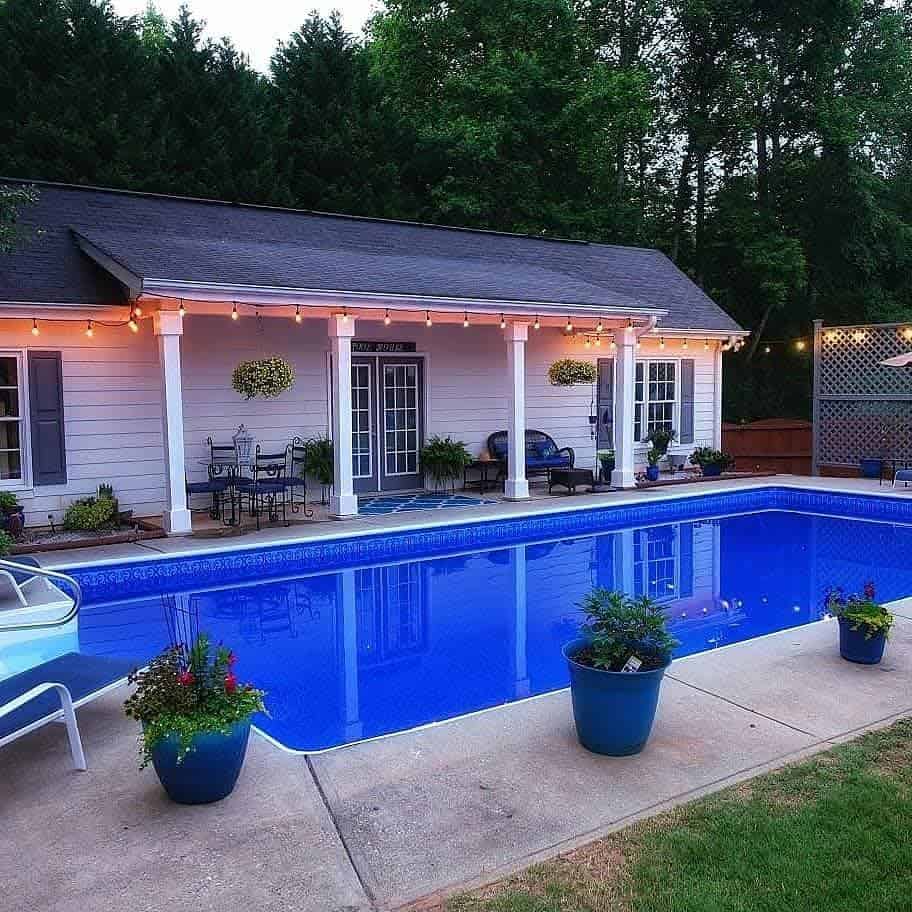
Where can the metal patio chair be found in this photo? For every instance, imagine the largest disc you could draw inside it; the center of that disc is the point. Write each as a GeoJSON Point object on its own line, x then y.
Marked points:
{"type": "Point", "coordinates": [266, 490]}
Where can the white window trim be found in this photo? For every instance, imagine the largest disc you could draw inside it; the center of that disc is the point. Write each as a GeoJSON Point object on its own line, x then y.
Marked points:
{"type": "Point", "coordinates": [25, 429]}
{"type": "Point", "coordinates": [639, 445]}
{"type": "Point", "coordinates": [671, 594]}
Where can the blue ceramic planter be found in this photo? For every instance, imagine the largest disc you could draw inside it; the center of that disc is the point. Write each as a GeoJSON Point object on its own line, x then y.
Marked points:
{"type": "Point", "coordinates": [855, 647]}
{"type": "Point", "coordinates": [652, 473]}
{"type": "Point", "coordinates": [870, 468]}
{"type": "Point", "coordinates": [613, 710]}
{"type": "Point", "coordinates": [208, 772]}
{"type": "Point", "coordinates": [711, 471]}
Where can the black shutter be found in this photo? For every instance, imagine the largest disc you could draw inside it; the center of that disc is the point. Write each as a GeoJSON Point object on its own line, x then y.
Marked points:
{"type": "Point", "coordinates": [686, 559]}
{"type": "Point", "coordinates": [605, 403]}
{"type": "Point", "coordinates": [686, 431]}
{"type": "Point", "coordinates": [45, 378]}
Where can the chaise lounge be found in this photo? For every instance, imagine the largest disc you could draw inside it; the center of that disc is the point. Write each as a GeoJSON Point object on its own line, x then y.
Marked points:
{"type": "Point", "coordinates": [542, 453]}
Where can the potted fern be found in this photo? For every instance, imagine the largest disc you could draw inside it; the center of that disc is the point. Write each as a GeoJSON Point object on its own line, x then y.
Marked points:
{"type": "Point", "coordinates": [864, 624]}
{"type": "Point", "coordinates": [444, 459]}
{"type": "Point", "coordinates": [616, 670]}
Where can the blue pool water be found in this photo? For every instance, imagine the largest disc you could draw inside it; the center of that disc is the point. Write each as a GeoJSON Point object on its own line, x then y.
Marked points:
{"type": "Point", "coordinates": [358, 638]}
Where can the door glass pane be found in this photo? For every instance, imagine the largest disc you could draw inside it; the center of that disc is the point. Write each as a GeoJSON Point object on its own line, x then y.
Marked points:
{"type": "Point", "coordinates": [400, 420]}
{"type": "Point", "coordinates": [9, 371]}
{"type": "Point", "coordinates": [10, 467]}
{"type": "Point", "coordinates": [9, 403]}
{"type": "Point", "coordinates": [361, 421]}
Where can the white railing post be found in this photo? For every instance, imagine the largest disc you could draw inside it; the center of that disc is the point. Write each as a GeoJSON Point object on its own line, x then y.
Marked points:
{"type": "Point", "coordinates": [343, 501]}
{"type": "Point", "coordinates": [516, 486]}
{"type": "Point", "coordinates": [169, 327]}
{"type": "Point", "coordinates": [624, 474]}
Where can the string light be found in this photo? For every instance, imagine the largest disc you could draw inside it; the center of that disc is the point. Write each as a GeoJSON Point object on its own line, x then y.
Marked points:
{"type": "Point", "coordinates": [706, 345]}
{"type": "Point", "coordinates": [614, 344]}
{"type": "Point", "coordinates": [599, 327]}
{"type": "Point", "coordinates": [345, 316]}
{"type": "Point", "coordinates": [386, 318]}
{"type": "Point", "coordinates": [598, 341]}
{"type": "Point", "coordinates": [465, 321]}
{"type": "Point", "coordinates": [685, 345]}
{"type": "Point", "coordinates": [587, 343]}
{"type": "Point", "coordinates": [428, 321]}
{"type": "Point", "coordinates": [35, 329]}
{"type": "Point", "coordinates": [536, 324]}
{"type": "Point", "coordinates": [801, 345]}
{"type": "Point", "coordinates": [234, 312]}
{"type": "Point", "coordinates": [766, 349]}
{"type": "Point", "coordinates": [662, 342]}
{"type": "Point", "coordinates": [639, 345]}
{"type": "Point", "coordinates": [137, 311]}
{"type": "Point", "coordinates": [503, 322]}
{"type": "Point", "coordinates": [182, 310]}
{"type": "Point", "coordinates": [907, 333]}
{"type": "Point", "coordinates": [569, 327]}
{"type": "Point", "coordinates": [134, 326]}
{"type": "Point", "coordinates": [298, 316]}
{"type": "Point", "coordinates": [89, 331]}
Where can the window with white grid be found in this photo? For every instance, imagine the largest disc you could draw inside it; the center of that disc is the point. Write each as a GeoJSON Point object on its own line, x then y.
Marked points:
{"type": "Point", "coordinates": [655, 388]}
{"type": "Point", "coordinates": [12, 421]}
{"type": "Point", "coordinates": [361, 421]}
{"type": "Point", "coordinates": [655, 563]}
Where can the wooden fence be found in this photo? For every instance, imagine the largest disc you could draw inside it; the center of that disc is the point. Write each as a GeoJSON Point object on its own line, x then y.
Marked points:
{"type": "Point", "coordinates": [771, 445]}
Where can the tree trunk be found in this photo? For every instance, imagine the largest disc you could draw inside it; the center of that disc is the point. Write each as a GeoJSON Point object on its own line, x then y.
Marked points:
{"type": "Point", "coordinates": [758, 334]}
{"type": "Point", "coordinates": [700, 216]}
{"type": "Point", "coordinates": [681, 203]}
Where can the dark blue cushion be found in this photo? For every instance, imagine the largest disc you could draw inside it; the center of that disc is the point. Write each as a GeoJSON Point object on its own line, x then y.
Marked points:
{"type": "Point", "coordinates": [547, 462]}
{"type": "Point", "coordinates": [547, 448]}
{"type": "Point", "coordinates": [214, 486]}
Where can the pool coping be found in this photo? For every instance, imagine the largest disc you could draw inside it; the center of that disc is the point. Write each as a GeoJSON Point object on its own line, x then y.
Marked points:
{"type": "Point", "coordinates": [475, 515]}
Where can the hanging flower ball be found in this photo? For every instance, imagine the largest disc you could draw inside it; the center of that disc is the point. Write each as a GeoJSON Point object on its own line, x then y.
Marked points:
{"type": "Point", "coordinates": [263, 378]}
{"type": "Point", "coordinates": [569, 372]}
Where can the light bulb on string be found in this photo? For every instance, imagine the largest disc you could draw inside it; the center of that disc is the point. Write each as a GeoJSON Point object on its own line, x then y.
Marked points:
{"type": "Point", "coordinates": [89, 331]}
{"type": "Point", "coordinates": [569, 327]}
{"type": "Point", "coordinates": [600, 326]}
{"type": "Point", "coordinates": [134, 326]}
{"type": "Point", "coordinates": [536, 324]}
{"type": "Point", "coordinates": [234, 311]}
{"type": "Point", "coordinates": [662, 342]}
{"type": "Point", "coordinates": [614, 344]}
{"type": "Point", "coordinates": [766, 349]}
{"type": "Point", "coordinates": [386, 318]}
{"type": "Point", "coordinates": [587, 343]}
{"type": "Point", "coordinates": [706, 345]}
{"type": "Point", "coordinates": [298, 317]}
{"type": "Point", "coordinates": [182, 310]}
{"type": "Point", "coordinates": [137, 311]}
{"type": "Point", "coordinates": [35, 329]}
{"type": "Point", "coordinates": [345, 316]}
{"type": "Point", "coordinates": [598, 341]}
{"type": "Point", "coordinates": [685, 345]}
{"type": "Point", "coordinates": [800, 345]}
{"type": "Point", "coordinates": [503, 322]}
{"type": "Point", "coordinates": [428, 321]}
{"type": "Point", "coordinates": [465, 320]}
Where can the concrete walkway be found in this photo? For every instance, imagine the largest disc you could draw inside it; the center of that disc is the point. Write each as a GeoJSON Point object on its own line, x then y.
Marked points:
{"type": "Point", "coordinates": [381, 824]}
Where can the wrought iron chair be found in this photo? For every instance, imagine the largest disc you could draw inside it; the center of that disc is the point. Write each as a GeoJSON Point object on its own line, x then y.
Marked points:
{"type": "Point", "coordinates": [296, 477]}
{"type": "Point", "coordinates": [218, 482]}
{"type": "Point", "coordinates": [266, 491]}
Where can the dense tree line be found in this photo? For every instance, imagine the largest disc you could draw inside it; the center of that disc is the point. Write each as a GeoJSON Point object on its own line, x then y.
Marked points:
{"type": "Point", "coordinates": [766, 146]}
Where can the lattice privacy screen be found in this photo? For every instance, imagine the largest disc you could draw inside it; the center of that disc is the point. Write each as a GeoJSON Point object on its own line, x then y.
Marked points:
{"type": "Point", "coordinates": [861, 409]}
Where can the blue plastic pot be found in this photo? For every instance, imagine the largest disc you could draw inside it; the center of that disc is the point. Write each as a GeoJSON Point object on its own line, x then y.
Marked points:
{"type": "Point", "coordinates": [870, 468]}
{"type": "Point", "coordinates": [652, 473]}
{"type": "Point", "coordinates": [856, 647]}
{"type": "Point", "coordinates": [711, 471]}
{"type": "Point", "coordinates": [208, 772]}
{"type": "Point", "coordinates": [613, 710]}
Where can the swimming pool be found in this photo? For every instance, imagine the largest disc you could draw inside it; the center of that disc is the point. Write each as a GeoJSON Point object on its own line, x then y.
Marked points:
{"type": "Point", "coordinates": [360, 637]}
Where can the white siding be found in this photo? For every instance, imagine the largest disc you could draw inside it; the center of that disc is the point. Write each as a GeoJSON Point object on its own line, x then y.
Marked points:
{"type": "Point", "coordinates": [112, 394]}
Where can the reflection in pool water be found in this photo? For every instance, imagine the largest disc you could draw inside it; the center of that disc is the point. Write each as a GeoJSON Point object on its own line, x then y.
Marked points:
{"type": "Point", "coordinates": [377, 649]}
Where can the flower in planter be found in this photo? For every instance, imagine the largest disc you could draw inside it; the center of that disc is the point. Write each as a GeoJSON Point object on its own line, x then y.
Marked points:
{"type": "Point", "coordinates": [189, 691]}
{"type": "Point", "coordinates": [570, 372]}
{"type": "Point", "coordinates": [861, 611]}
{"type": "Point", "coordinates": [263, 378]}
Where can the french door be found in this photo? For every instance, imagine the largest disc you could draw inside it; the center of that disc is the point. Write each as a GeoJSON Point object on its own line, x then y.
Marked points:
{"type": "Point", "coordinates": [387, 423]}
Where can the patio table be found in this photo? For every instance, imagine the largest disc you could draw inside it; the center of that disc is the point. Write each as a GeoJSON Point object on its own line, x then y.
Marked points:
{"type": "Point", "coordinates": [483, 467]}
{"type": "Point", "coordinates": [232, 469]}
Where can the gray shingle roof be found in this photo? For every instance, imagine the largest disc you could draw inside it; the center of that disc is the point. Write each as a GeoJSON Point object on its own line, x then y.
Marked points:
{"type": "Point", "coordinates": [204, 241]}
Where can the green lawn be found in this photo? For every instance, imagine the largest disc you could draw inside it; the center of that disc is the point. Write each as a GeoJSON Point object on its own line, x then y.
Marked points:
{"type": "Point", "coordinates": [832, 834]}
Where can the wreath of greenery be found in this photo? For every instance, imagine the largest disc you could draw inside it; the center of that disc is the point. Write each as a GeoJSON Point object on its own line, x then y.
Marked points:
{"type": "Point", "coordinates": [263, 378]}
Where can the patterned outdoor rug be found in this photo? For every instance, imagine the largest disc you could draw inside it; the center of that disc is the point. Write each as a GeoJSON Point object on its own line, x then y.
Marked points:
{"type": "Point", "coordinates": [382, 504]}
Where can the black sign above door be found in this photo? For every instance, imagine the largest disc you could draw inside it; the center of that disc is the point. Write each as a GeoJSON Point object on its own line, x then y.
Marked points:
{"type": "Point", "coordinates": [363, 347]}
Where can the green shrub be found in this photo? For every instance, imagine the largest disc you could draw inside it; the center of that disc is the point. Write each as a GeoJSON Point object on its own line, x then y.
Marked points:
{"type": "Point", "coordinates": [89, 514]}
{"type": "Point", "coordinates": [6, 543]}
{"type": "Point", "coordinates": [318, 459]}
{"type": "Point", "coordinates": [8, 501]}
{"type": "Point", "coordinates": [704, 456]}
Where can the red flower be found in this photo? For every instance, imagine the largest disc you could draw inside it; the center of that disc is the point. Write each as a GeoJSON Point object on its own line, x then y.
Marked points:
{"type": "Point", "coordinates": [869, 591]}
{"type": "Point", "coordinates": [230, 683]}
{"type": "Point", "coordinates": [232, 660]}
{"type": "Point", "coordinates": [186, 678]}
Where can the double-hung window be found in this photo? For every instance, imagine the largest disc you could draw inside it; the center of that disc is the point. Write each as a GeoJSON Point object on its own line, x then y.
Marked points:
{"type": "Point", "coordinates": [13, 427]}
{"type": "Point", "coordinates": [655, 390]}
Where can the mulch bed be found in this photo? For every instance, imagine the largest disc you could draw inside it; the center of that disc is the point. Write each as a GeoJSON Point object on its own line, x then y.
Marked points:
{"type": "Point", "coordinates": [42, 538]}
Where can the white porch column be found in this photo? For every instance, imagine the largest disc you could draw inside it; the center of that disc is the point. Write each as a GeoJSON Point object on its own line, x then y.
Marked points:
{"type": "Point", "coordinates": [169, 327]}
{"type": "Point", "coordinates": [521, 623]}
{"type": "Point", "coordinates": [516, 486]}
{"type": "Point", "coordinates": [623, 475]}
{"type": "Point", "coordinates": [348, 595]}
{"type": "Point", "coordinates": [343, 501]}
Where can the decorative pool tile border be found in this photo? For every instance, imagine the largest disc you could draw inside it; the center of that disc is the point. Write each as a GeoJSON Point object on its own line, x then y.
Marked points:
{"type": "Point", "coordinates": [132, 579]}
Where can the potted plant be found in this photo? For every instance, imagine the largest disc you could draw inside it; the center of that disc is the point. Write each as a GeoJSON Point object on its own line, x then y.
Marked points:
{"type": "Point", "coordinates": [606, 460]}
{"type": "Point", "coordinates": [263, 377]}
{"type": "Point", "coordinates": [616, 669]}
{"type": "Point", "coordinates": [12, 513]}
{"type": "Point", "coordinates": [195, 720]}
{"type": "Point", "coordinates": [712, 462]}
{"type": "Point", "coordinates": [444, 459]}
{"type": "Point", "coordinates": [318, 461]}
{"type": "Point", "coordinates": [864, 625]}
{"type": "Point", "coordinates": [571, 372]}
{"type": "Point", "coordinates": [653, 457]}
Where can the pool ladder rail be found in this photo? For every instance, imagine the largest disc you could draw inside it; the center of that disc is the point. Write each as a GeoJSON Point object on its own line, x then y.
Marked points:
{"type": "Point", "coordinates": [34, 601]}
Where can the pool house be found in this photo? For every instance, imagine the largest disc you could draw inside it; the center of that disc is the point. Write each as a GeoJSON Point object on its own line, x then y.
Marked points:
{"type": "Point", "coordinates": [125, 314]}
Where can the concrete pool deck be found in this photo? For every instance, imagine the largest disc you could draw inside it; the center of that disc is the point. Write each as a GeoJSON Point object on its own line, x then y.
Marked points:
{"type": "Point", "coordinates": [383, 824]}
